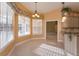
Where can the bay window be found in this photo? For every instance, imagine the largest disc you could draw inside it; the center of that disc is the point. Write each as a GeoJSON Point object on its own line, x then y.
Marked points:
{"type": "Point", "coordinates": [37, 26]}
{"type": "Point", "coordinates": [6, 32]}
{"type": "Point", "coordinates": [24, 25]}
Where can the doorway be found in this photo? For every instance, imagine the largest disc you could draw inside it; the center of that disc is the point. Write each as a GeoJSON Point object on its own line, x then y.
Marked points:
{"type": "Point", "coordinates": [51, 31]}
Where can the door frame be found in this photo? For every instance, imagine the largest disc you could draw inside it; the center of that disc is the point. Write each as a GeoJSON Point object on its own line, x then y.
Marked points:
{"type": "Point", "coordinates": [58, 29]}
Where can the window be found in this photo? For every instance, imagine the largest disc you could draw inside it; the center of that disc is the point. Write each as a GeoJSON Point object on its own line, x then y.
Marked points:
{"type": "Point", "coordinates": [37, 26]}
{"type": "Point", "coordinates": [24, 25]}
{"type": "Point", "coordinates": [6, 32]}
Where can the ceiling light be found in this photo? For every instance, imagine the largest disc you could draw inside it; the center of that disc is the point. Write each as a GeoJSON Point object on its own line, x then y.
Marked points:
{"type": "Point", "coordinates": [38, 16]}
{"type": "Point", "coordinates": [64, 19]}
{"type": "Point", "coordinates": [33, 15]}
{"type": "Point", "coordinates": [36, 13]}
{"type": "Point", "coordinates": [65, 12]}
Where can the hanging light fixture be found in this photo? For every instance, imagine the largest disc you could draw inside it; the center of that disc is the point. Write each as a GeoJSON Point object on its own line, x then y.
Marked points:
{"type": "Point", "coordinates": [63, 15]}
{"type": "Point", "coordinates": [36, 13]}
{"type": "Point", "coordinates": [65, 11]}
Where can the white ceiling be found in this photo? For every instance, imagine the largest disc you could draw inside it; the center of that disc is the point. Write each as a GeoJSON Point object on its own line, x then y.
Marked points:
{"type": "Point", "coordinates": [44, 7]}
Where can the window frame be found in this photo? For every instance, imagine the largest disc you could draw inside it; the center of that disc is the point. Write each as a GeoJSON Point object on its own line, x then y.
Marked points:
{"type": "Point", "coordinates": [36, 26]}
{"type": "Point", "coordinates": [3, 46]}
{"type": "Point", "coordinates": [21, 35]}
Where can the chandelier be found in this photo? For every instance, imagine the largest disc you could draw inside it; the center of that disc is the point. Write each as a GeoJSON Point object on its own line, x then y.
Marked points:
{"type": "Point", "coordinates": [65, 12]}
{"type": "Point", "coordinates": [36, 13]}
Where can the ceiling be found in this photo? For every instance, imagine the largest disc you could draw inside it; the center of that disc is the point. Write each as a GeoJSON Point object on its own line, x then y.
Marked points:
{"type": "Point", "coordinates": [44, 7]}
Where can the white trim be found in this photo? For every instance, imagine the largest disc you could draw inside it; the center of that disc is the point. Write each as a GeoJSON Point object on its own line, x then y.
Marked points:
{"type": "Point", "coordinates": [28, 40]}
{"type": "Point", "coordinates": [40, 38]}
{"type": "Point", "coordinates": [52, 20]}
{"type": "Point", "coordinates": [60, 40]}
{"type": "Point", "coordinates": [45, 29]}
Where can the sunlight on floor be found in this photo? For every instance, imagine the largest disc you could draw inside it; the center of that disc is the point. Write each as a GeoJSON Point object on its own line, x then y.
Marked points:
{"type": "Point", "coordinates": [47, 50]}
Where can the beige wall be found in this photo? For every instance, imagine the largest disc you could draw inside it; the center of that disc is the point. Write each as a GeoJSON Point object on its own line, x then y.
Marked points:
{"type": "Point", "coordinates": [55, 14]}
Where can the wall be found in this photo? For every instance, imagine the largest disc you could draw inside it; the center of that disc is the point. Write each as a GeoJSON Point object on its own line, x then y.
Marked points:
{"type": "Point", "coordinates": [55, 15]}
{"type": "Point", "coordinates": [29, 13]}
{"type": "Point", "coordinates": [41, 36]}
{"type": "Point", "coordinates": [78, 45]}
{"type": "Point", "coordinates": [7, 49]}
{"type": "Point", "coordinates": [0, 15]}
{"type": "Point", "coordinates": [17, 39]}
{"type": "Point", "coordinates": [21, 38]}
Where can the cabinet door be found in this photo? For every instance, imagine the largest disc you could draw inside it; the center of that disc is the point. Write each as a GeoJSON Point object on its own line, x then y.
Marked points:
{"type": "Point", "coordinates": [70, 44]}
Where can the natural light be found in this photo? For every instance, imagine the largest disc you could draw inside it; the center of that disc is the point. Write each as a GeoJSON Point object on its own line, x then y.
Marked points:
{"type": "Point", "coordinates": [48, 50]}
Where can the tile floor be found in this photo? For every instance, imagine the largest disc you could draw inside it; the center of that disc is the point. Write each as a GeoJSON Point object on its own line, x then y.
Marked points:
{"type": "Point", "coordinates": [38, 47]}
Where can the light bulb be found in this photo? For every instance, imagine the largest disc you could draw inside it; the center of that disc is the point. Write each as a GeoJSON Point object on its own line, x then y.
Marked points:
{"type": "Point", "coordinates": [36, 14]}
{"type": "Point", "coordinates": [33, 15]}
{"type": "Point", "coordinates": [64, 18]}
{"type": "Point", "coordinates": [65, 13]}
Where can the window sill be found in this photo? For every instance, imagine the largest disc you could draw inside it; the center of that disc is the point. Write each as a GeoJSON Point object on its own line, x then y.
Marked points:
{"type": "Point", "coordinates": [4, 48]}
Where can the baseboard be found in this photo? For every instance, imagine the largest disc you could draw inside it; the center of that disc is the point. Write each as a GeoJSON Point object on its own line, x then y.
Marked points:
{"type": "Point", "coordinates": [22, 43]}
{"type": "Point", "coordinates": [60, 40]}
{"type": "Point", "coordinates": [17, 45]}
{"type": "Point", "coordinates": [40, 38]}
{"type": "Point", "coordinates": [11, 51]}
{"type": "Point", "coordinates": [28, 40]}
